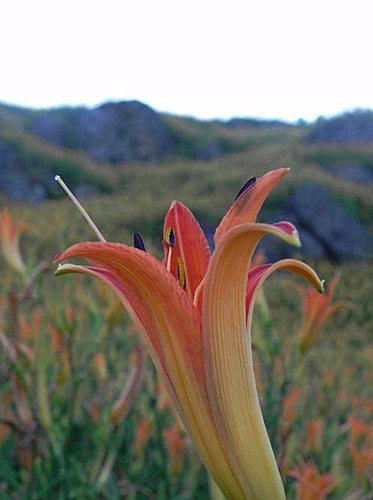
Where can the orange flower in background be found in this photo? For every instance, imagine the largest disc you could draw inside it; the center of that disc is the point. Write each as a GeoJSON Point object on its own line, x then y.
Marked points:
{"type": "Point", "coordinates": [290, 404]}
{"type": "Point", "coordinates": [359, 431]}
{"type": "Point", "coordinates": [194, 313]}
{"type": "Point", "coordinates": [311, 485]}
{"type": "Point", "coordinates": [100, 366]}
{"type": "Point", "coordinates": [175, 443]}
{"type": "Point", "coordinates": [10, 233]}
{"type": "Point", "coordinates": [361, 447]}
{"type": "Point", "coordinates": [362, 460]}
{"type": "Point", "coordinates": [314, 434]}
{"type": "Point", "coordinates": [142, 435]}
{"type": "Point", "coordinates": [317, 310]}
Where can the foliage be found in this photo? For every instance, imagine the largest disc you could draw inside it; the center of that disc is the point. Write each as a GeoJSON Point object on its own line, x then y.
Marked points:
{"type": "Point", "coordinates": [66, 361]}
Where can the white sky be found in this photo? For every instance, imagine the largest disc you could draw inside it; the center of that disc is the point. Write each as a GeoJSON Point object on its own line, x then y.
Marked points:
{"type": "Point", "coordinates": [271, 59]}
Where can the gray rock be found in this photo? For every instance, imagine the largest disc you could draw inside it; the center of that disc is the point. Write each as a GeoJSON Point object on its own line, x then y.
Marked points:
{"type": "Point", "coordinates": [275, 249]}
{"type": "Point", "coordinates": [15, 181]}
{"type": "Point", "coordinates": [341, 235]}
{"type": "Point", "coordinates": [326, 230]}
{"type": "Point", "coordinates": [351, 172]}
{"type": "Point", "coordinates": [111, 133]}
{"type": "Point", "coordinates": [354, 126]}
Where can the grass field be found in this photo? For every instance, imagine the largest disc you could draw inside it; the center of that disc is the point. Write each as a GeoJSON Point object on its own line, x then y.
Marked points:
{"type": "Point", "coordinates": [83, 414]}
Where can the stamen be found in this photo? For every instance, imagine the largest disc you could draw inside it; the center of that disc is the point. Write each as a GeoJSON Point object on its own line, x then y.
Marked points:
{"type": "Point", "coordinates": [169, 239]}
{"type": "Point", "coordinates": [138, 242]}
{"type": "Point", "coordinates": [181, 273]}
{"type": "Point", "coordinates": [198, 291]}
{"type": "Point", "coordinates": [169, 236]}
{"type": "Point", "coordinates": [248, 184]}
{"type": "Point", "coordinates": [84, 213]}
{"type": "Point", "coordinates": [169, 255]}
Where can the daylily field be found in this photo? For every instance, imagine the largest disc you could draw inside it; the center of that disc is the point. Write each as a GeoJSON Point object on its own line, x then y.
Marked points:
{"type": "Point", "coordinates": [83, 411]}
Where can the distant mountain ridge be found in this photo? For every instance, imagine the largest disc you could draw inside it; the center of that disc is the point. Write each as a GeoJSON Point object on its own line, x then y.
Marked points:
{"type": "Point", "coordinates": [142, 158]}
{"type": "Point", "coordinates": [78, 141]}
{"type": "Point", "coordinates": [350, 127]}
{"type": "Point", "coordinates": [119, 132]}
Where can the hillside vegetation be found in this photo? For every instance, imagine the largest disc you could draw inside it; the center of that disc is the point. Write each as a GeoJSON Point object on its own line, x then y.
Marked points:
{"type": "Point", "coordinates": [82, 413]}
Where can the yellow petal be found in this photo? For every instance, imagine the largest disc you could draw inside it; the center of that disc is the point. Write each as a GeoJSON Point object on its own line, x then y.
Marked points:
{"type": "Point", "coordinates": [229, 363]}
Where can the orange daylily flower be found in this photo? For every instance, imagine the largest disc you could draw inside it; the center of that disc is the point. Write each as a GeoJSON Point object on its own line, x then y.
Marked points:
{"type": "Point", "coordinates": [362, 459]}
{"type": "Point", "coordinates": [10, 233]}
{"type": "Point", "coordinates": [360, 446]}
{"type": "Point", "coordinates": [317, 310]}
{"type": "Point", "coordinates": [311, 485]}
{"type": "Point", "coordinates": [100, 366]}
{"type": "Point", "coordinates": [194, 313]}
{"type": "Point", "coordinates": [142, 436]}
{"type": "Point", "coordinates": [175, 443]}
{"type": "Point", "coordinates": [359, 430]}
{"type": "Point", "coordinates": [290, 405]}
{"type": "Point", "coordinates": [314, 435]}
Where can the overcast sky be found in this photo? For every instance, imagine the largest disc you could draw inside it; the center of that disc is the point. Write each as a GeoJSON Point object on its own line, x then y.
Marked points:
{"type": "Point", "coordinates": [209, 59]}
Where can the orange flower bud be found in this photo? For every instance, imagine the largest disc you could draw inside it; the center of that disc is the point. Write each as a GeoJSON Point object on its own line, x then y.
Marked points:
{"type": "Point", "coordinates": [175, 443]}
{"type": "Point", "coordinates": [143, 432]}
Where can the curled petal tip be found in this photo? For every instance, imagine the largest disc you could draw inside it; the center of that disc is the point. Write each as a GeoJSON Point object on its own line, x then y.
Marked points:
{"type": "Point", "coordinates": [292, 236]}
{"type": "Point", "coordinates": [295, 240]}
{"type": "Point", "coordinates": [65, 269]}
{"type": "Point", "coordinates": [321, 288]}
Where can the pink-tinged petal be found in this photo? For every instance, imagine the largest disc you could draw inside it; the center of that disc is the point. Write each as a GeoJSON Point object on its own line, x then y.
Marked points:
{"type": "Point", "coordinates": [247, 206]}
{"type": "Point", "coordinates": [229, 364]}
{"type": "Point", "coordinates": [146, 287]}
{"type": "Point", "coordinates": [170, 327]}
{"type": "Point", "coordinates": [289, 229]}
{"type": "Point", "coordinates": [190, 246]}
{"type": "Point", "coordinates": [292, 237]}
{"type": "Point", "coordinates": [259, 274]}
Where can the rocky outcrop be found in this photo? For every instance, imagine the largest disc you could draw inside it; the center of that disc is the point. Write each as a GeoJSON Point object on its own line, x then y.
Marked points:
{"type": "Point", "coordinates": [112, 133]}
{"type": "Point", "coordinates": [356, 126]}
{"type": "Point", "coordinates": [325, 228]}
{"type": "Point", "coordinates": [15, 181]}
{"type": "Point", "coordinates": [351, 172]}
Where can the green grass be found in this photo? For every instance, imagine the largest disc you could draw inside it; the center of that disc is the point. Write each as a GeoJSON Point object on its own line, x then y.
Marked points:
{"type": "Point", "coordinates": [62, 442]}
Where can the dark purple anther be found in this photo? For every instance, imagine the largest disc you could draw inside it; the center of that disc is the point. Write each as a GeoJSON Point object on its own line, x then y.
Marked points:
{"type": "Point", "coordinates": [138, 242]}
{"type": "Point", "coordinates": [248, 184]}
{"type": "Point", "coordinates": [171, 238]}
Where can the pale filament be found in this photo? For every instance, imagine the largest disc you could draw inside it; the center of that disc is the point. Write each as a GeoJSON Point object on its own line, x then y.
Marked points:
{"type": "Point", "coordinates": [76, 202]}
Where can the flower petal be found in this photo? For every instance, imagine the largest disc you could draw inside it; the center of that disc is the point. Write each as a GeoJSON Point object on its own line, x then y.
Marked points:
{"type": "Point", "coordinates": [246, 207]}
{"type": "Point", "coordinates": [153, 295]}
{"type": "Point", "coordinates": [170, 327]}
{"type": "Point", "coordinates": [259, 274]}
{"type": "Point", "coordinates": [229, 364]}
{"type": "Point", "coordinates": [190, 246]}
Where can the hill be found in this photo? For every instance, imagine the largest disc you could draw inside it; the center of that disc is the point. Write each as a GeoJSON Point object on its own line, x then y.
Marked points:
{"type": "Point", "coordinates": [201, 163]}
{"type": "Point", "coordinates": [82, 143]}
